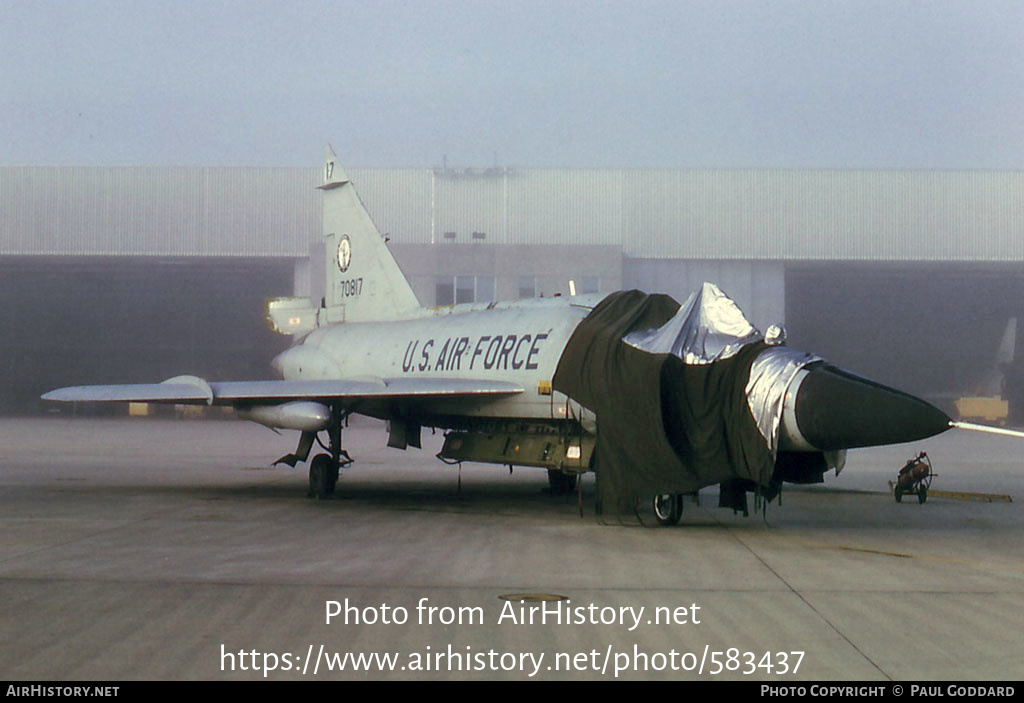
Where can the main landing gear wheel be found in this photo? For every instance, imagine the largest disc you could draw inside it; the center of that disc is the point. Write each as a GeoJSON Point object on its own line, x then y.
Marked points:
{"type": "Point", "coordinates": [323, 476]}
{"type": "Point", "coordinates": [668, 508]}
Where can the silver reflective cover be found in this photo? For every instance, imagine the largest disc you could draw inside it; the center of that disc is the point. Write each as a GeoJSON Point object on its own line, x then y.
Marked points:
{"type": "Point", "coordinates": [770, 375]}
{"type": "Point", "coordinates": [709, 326]}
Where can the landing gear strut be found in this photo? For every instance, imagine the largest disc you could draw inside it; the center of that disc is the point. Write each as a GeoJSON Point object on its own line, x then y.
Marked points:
{"type": "Point", "coordinates": [324, 469]}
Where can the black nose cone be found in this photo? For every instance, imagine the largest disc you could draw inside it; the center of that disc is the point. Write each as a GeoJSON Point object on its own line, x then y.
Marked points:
{"type": "Point", "coordinates": [836, 409]}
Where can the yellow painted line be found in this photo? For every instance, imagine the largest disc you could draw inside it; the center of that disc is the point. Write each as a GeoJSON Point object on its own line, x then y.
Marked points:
{"type": "Point", "coordinates": [963, 495]}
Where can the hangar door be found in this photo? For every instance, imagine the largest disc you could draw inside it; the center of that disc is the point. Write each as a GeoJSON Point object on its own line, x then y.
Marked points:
{"type": "Point", "coordinates": [932, 330]}
{"type": "Point", "coordinates": [69, 322]}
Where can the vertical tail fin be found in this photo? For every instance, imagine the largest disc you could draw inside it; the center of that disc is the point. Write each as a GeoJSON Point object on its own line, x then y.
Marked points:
{"type": "Point", "coordinates": [994, 381]}
{"type": "Point", "coordinates": [1004, 356]}
{"type": "Point", "coordinates": [363, 281]}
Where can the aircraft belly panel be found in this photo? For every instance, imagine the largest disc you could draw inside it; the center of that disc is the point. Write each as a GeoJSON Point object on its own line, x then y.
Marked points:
{"type": "Point", "coordinates": [520, 449]}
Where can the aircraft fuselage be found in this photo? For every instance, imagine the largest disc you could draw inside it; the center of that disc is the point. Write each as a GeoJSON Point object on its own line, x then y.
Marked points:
{"type": "Point", "coordinates": [519, 342]}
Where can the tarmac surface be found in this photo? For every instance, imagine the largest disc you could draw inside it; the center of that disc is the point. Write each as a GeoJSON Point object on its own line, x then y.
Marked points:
{"type": "Point", "coordinates": [165, 549]}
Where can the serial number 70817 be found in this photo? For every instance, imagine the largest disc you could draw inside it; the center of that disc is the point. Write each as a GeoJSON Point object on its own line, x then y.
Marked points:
{"type": "Point", "coordinates": [351, 287]}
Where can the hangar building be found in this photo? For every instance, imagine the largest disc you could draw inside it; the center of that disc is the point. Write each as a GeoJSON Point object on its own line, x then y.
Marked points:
{"type": "Point", "coordinates": [131, 274]}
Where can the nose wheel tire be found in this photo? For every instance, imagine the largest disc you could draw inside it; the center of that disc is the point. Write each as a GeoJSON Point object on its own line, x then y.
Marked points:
{"type": "Point", "coordinates": [668, 508]}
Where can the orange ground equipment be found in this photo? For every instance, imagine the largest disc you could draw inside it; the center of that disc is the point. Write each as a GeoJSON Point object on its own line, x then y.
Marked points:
{"type": "Point", "coordinates": [915, 478]}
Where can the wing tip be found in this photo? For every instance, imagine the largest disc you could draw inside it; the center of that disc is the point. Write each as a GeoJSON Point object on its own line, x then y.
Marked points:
{"type": "Point", "coordinates": [57, 395]}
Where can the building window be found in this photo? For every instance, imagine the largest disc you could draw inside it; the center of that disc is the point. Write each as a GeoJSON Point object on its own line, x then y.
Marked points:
{"type": "Point", "coordinates": [465, 289]}
{"type": "Point", "coordinates": [527, 287]}
{"type": "Point", "coordinates": [444, 291]}
{"type": "Point", "coordinates": [485, 289]}
{"type": "Point", "coordinates": [456, 290]}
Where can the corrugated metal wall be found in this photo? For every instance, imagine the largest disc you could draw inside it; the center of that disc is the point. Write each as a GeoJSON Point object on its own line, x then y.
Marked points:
{"type": "Point", "coordinates": [652, 214]}
{"type": "Point", "coordinates": [398, 200]}
{"type": "Point", "coordinates": [145, 211]}
{"type": "Point", "coordinates": [825, 215]}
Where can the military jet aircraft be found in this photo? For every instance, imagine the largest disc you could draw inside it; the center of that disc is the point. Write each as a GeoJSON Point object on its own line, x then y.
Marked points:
{"type": "Point", "coordinates": [659, 399]}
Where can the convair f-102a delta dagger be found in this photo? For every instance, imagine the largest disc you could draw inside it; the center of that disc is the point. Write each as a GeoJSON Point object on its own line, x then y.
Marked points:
{"type": "Point", "coordinates": [658, 399]}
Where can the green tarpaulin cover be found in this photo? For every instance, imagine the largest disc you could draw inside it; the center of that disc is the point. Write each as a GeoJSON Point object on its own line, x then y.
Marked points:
{"type": "Point", "coordinates": [663, 426]}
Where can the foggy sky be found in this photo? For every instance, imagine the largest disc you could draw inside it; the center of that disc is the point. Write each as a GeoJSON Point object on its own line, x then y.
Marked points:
{"type": "Point", "coordinates": [814, 84]}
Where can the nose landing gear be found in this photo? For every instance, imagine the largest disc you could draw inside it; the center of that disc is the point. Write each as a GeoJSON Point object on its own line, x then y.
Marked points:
{"type": "Point", "coordinates": [668, 508]}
